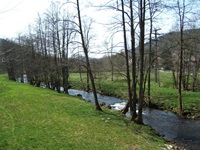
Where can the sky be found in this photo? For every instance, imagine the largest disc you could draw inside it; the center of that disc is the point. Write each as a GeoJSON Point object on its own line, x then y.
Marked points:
{"type": "Point", "coordinates": [16, 15]}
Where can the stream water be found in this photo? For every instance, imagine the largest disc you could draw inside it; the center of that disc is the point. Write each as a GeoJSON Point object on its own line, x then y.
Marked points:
{"type": "Point", "coordinates": [173, 128]}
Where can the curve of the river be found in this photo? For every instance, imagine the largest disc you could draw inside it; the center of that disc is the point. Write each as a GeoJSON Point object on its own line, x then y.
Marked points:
{"type": "Point", "coordinates": [167, 124]}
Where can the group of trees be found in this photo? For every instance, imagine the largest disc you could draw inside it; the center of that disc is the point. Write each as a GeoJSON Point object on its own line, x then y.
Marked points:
{"type": "Point", "coordinates": [60, 42]}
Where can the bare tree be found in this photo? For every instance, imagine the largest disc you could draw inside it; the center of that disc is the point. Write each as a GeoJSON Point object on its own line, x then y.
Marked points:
{"type": "Point", "coordinates": [133, 50]}
{"type": "Point", "coordinates": [142, 12]}
{"type": "Point", "coordinates": [181, 14]}
{"type": "Point", "coordinates": [85, 49]}
{"type": "Point", "coordinates": [130, 101]}
{"type": "Point", "coordinates": [183, 9]}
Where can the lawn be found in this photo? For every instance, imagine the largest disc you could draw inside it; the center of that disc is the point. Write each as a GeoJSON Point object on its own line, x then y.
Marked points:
{"type": "Point", "coordinates": [35, 118]}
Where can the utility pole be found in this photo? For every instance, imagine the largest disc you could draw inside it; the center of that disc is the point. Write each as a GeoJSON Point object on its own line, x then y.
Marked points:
{"type": "Point", "coordinates": [156, 53]}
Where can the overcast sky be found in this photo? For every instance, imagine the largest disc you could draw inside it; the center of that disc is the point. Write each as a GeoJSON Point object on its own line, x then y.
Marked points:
{"type": "Point", "coordinates": [16, 15]}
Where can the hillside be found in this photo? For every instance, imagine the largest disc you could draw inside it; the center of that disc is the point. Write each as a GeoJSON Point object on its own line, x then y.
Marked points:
{"type": "Point", "coordinates": [34, 118]}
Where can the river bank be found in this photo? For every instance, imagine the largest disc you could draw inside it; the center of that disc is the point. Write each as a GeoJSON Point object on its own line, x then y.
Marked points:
{"type": "Point", "coordinates": [163, 95]}
{"type": "Point", "coordinates": [182, 132]}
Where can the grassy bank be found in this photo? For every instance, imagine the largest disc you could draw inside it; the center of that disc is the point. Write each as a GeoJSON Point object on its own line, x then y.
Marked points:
{"type": "Point", "coordinates": [34, 118]}
{"type": "Point", "coordinates": [162, 93]}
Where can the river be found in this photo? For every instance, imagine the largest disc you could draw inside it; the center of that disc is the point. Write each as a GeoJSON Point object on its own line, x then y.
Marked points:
{"type": "Point", "coordinates": [169, 125]}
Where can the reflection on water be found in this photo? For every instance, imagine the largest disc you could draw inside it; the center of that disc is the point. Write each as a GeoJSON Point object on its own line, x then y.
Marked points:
{"type": "Point", "coordinates": [167, 124]}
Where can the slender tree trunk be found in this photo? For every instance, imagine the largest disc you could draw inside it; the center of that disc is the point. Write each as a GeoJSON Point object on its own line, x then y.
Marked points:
{"type": "Point", "coordinates": [195, 72]}
{"type": "Point", "coordinates": [80, 74]}
{"type": "Point", "coordinates": [183, 73]}
{"type": "Point", "coordinates": [127, 62]}
{"type": "Point", "coordinates": [180, 78]}
{"type": "Point", "coordinates": [65, 59]}
{"type": "Point", "coordinates": [112, 71]}
{"type": "Point", "coordinates": [126, 108]}
{"type": "Point", "coordinates": [188, 74]}
{"type": "Point", "coordinates": [150, 50]}
{"type": "Point", "coordinates": [87, 60]}
{"type": "Point", "coordinates": [65, 73]}
{"type": "Point", "coordinates": [141, 80]}
{"type": "Point", "coordinates": [134, 101]}
{"type": "Point", "coordinates": [174, 79]}
{"type": "Point", "coordinates": [88, 80]}
{"type": "Point", "coordinates": [181, 17]}
{"type": "Point", "coordinates": [156, 61]}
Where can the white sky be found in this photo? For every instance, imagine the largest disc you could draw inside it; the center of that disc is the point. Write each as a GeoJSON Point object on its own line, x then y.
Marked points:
{"type": "Point", "coordinates": [16, 15]}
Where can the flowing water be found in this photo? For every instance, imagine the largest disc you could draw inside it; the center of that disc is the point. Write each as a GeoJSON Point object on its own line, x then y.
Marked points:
{"type": "Point", "coordinates": [183, 131]}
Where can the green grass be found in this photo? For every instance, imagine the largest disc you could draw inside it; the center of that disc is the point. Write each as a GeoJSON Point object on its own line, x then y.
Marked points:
{"type": "Point", "coordinates": [117, 87]}
{"type": "Point", "coordinates": [34, 118]}
{"type": "Point", "coordinates": [162, 93]}
{"type": "Point", "coordinates": [167, 97]}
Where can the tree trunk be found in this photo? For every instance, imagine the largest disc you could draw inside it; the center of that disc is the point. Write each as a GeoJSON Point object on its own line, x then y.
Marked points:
{"type": "Point", "coordinates": [194, 76]}
{"type": "Point", "coordinates": [134, 99]}
{"type": "Point", "coordinates": [181, 17]}
{"type": "Point", "coordinates": [65, 73]}
{"type": "Point", "coordinates": [87, 60]}
{"type": "Point", "coordinates": [174, 79]}
{"type": "Point", "coordinates": [150, 50]}
{"type": "Point", "coordinates": [126, 108]}
{"type": "Point", "coordinates": [88, 80]}
{"type": "Point", "coordinates": [141, 80]}
{"type": "Point", "coordinates": [127, 62]}
{"type": "Point", "coordinates": [188, 76]}
{"type": "Point", "coordinates": [179, 87]}
{"type": "Point", "coordinates": [11, 73]}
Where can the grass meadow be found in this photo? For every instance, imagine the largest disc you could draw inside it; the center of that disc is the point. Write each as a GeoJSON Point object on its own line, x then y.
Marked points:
{"type": "Point", "coordinates": [35, 118]}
